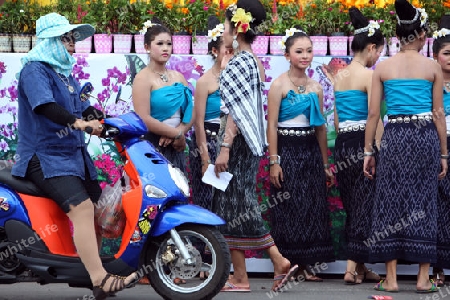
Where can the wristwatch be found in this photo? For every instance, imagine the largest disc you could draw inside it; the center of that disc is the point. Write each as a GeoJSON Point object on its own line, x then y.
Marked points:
{"type": "Point", "coordinates": [273, 162]}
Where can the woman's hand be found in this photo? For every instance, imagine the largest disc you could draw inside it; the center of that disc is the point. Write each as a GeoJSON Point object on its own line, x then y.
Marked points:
{"type": "Point", "coordinates": [179, 144]}
{"type": "Point", "coordinates": [369, 166]}
{"type": "Point", "coordinates": [444, 168]}
{"type": "Point", "coordinates": [329, 175]}
{"type": "Point", "coordinates": [276, 175]}
{"type": "Point", "coordinates": [205, 163]}
{"type": "Point", "coordinates": [165, 141]}
{"type": "Point", "coordinates": [222, 161]}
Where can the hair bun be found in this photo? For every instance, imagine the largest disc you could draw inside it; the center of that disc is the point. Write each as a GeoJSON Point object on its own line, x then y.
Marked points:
{"type": "Point", "coordinates": [444, 22]}
{"type": "Point", "coordinates": [357, 18]}
{"type": "Point", "coordinates": [213, 21]}
{"type": "Point", "coordinates": [405, 10]}
{"type": "Point", "coordinates": [255, 8]}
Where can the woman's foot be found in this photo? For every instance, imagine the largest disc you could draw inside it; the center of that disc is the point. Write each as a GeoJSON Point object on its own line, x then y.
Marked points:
{"type": "Point", "coordinates": [179, 281]}
{"type": "Point", "coordinates": [113, 284]}
{"type": "Point", "coordinates": [307, 275]}
{"type": "Point", "coordinates": [385, 286]}
{"type": "Point", "coordinates": [283, 272]}
{"type": "Point", "coordinates": [352, 278]}
{"type": "Point", "coordinates": [367, 275]}
{"type": "Point", "coordinates": [203, 275]}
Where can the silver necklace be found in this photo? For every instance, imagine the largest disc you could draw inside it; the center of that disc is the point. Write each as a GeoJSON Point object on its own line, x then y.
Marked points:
{"type": "Point", "coordinates": [301, 88]}
{"type": "Point", "coordinates": [217, 75]}
{"type": "Point", "coordinates": [163, 76]}
{"type": "Point", "coordinates": [447, 85]}
{"type": "Point", "coordinates": [67, 84]}
{"type": "Point", "coordinates": [359, 62]}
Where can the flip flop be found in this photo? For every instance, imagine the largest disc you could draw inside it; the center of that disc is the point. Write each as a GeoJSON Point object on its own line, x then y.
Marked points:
{"type": "Point", "coordinates": [380, 297]}
{"type": "Point", "coordinates": [284, 278]}
{"type": "Point", "coordinates": [229, 287]}
{"type": "Point", "coordinates": [433, 289]}
{"type": "Point", "coordinates": [379, 287]}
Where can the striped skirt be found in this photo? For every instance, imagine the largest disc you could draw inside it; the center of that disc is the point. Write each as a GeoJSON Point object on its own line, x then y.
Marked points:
{"type": "Point", "coordinates": [404, 214]}
{"type": "Point", "coordinates": [299, 214]}
{"type": "Point", "coordinates": [357, 193]}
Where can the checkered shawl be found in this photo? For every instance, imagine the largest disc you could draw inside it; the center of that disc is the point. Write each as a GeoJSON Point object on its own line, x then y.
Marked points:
{"type": "Point", "coordinates": [242, 92]}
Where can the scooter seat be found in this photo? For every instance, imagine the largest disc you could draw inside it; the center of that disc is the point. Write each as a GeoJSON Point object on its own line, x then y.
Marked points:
{"type": "Point", "coordinates": [18, 184]}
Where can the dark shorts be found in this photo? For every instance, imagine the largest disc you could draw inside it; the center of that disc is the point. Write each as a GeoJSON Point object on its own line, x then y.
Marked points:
{"type": "Point", "coordinates": [64, 190]}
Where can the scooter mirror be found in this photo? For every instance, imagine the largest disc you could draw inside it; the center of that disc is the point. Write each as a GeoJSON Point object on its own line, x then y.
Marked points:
{"type": "Point", "coordinates": [86, 91]}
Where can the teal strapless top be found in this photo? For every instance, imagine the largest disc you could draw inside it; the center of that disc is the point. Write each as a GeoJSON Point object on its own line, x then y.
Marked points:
{"type": "Point", "coordinates": [351, 105]}
{"type": "Point", "coordinates": [408, 96]}
{"type": "Point", "coordinates": [212, 106]}
{"type": "Point", "coordinates": [301, 104]}
{"type": "Point", "coordinates": [446, 102]}
{"type": "Point", "coordinates": [168, 99]}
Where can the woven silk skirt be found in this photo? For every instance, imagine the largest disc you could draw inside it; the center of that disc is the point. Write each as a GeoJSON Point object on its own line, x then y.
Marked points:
{"type": "Point", "coordinates": [202, 193]}
{"type": "Point", "coordinates": [299, 214]}
{"type": "Point", "coordinates": [357, 193]}
{"type": "Point", "coordinates": [238, 205]}
{"type": "Point", "coordinates": [443, 221]}
{"type": "Point", "coordinates": [404, 219]}
{"type": "Point", "coordinates": [178, 159]}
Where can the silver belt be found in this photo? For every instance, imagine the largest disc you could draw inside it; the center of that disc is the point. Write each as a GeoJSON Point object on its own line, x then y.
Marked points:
{"type": "Point", "coordinates": [413, 118]}
{"type": "Point", "coordinates": [352, 128]}
{"type": "Point", "coordinates": [211, 133]}
{"type": "Point", "coordinates": [293, 132]}
{"type": "Point", "coordinates": [448, 132]}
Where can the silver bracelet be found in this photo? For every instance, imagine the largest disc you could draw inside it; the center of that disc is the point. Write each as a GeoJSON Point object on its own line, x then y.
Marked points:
{"type": "Point", "coordinates": [226, 145]}
{"type": "Point", "coordinates": [179, 135]}
{"type": "Point", "coordinates": [369, 154]}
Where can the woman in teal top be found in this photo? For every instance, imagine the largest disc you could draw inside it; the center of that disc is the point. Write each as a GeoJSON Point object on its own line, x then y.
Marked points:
{"type": "Point", "coordinates": [413, 154]}
{"type": "Point", "coordinates": [298, 160]}
{"type": "Point", "coordinates": [162, 99]}
{"type": "Point", "coordinates": [351, 109]}
{"type": "Point", "coordinates": [441, 53]}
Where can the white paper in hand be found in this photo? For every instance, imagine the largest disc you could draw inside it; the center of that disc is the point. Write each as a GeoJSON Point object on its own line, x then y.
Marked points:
{"type": "Point", "coordinates": [220, 183]}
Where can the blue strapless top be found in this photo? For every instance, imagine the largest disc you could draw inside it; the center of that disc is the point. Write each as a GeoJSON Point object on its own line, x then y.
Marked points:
{"type": "Point", "coordinates": [301, 104]}
{"type": "Point", "coordinates": [168, 99]}
{"type": "Point", "coordinates": [408, 96]}
{"type": "Point", "coordinates": [212, 106]}
{"type": "Point", "coordinates": [351, 105]}
{"type": "Point", "coordinates": [446, 102]}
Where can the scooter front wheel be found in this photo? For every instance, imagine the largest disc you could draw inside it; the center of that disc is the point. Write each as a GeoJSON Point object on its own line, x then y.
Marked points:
{"type": "Point", "coordinates": [173, 278]}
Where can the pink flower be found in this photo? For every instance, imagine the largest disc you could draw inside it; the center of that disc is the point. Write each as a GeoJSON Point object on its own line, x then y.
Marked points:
{"type": "Point", "coordinates": [392, 12]}
{"type": "Point", "coordinates": [205, 8]}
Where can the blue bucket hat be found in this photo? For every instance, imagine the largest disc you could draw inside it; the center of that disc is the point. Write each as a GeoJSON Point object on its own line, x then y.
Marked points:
{"type": "Point", "coordinates": [53, 25]}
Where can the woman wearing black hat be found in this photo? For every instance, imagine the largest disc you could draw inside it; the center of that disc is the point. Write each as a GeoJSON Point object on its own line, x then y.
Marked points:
{"type": "Point", "coordinates": [413, 153]}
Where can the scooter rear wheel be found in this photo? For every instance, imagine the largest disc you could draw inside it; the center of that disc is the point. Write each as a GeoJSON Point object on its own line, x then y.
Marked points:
{"type": "Point", "coordinates": [166, 264]}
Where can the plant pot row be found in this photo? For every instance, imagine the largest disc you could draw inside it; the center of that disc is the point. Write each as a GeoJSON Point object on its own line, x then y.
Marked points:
{"type": "Point", "coordinates": [19, 43]}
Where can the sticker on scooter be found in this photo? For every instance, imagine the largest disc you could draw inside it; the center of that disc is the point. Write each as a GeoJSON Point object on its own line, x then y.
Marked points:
{"type": "Point", "coordinates": [4, 205]}
{"type": "Point", "coordinates": [150, 212]}
{"type": "Point", "coordinates": [136, 237]}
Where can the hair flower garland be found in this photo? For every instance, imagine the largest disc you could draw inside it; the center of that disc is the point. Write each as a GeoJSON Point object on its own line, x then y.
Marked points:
{"type": "Point", "coordinates": [215, 33]}
{"type": "Point", "coordinates": [441, 33]}
{"type": "Point", "coordinates": [373, 25]}
{"type": "Point", "coordinates": [289, 32]}
{"type": "Point", "coordinates": [242, 20]}
{"type": "Point", "coordinates": [147, 25]}
{"type": "Point", "coordinates": [419, 12]}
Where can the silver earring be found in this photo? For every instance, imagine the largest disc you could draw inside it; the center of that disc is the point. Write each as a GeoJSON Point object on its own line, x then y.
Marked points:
{"type": "Point", "coordinates": [235, 44]}
{"type": "Point", "coordinates": [148, 51]}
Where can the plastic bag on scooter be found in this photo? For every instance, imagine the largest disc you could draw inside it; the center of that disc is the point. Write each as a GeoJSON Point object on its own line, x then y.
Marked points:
{"type": "Point", "coordinates": [109, 212]}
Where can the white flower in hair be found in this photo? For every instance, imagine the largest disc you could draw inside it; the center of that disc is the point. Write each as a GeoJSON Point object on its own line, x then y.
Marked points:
{"type": "Point", "coordinates": [215, 33]}
{"type": "Point", "coordinates": [423, 16]}
{"type": "Point", "coordinates": [147, 25]}
{"type": "Point", "coordinates": [370, 28]}
{"type": "Point", "coordinates": [289, 32]}
{"type": "Point", "coordinates": [441, 33]}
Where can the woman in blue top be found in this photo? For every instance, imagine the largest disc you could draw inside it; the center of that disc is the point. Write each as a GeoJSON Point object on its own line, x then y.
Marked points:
{"type": "Point", "coordinates": [161, 96]}
{"type": "Point", "coordinates": [52, 154]}
{"type": "Point", "coordinates": [441, 53]}
{"type": "Point", "coordinates": [413, 154]}
{"type": "Point", "coordinates": [351, 89]}
{"type": "Point", "coordinates": [298, 160]}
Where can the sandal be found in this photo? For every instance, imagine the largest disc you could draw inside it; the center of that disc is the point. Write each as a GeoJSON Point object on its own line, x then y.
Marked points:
{"type": "Point", "coordinates": [439, 277]}
{"type": "Point", "coordinates": [367, 275]}
{"type": "Point", "coordinates": [356, 279]}
{"type": "Point", "coordinates": [116, 285]}
{"type": "Point", "coordinates": [179, 281]}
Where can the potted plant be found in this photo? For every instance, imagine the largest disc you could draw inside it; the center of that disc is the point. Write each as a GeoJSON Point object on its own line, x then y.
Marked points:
{"type": "Point", "coordinates": [176, 18]}
{"type": "Point", "coordinates": [317, 25]}
{"type": "Point", "coordinates": [198, 12]}
{"type": "Point", "coordinates": [101, 13]}
{"type": "Point", "coordinates": [5, 28]}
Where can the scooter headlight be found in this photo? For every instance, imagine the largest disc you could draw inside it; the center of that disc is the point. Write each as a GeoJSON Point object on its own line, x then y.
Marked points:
{"type": "Point", "coordinates": [180, 180]}
{"type": "Point", "coordinates": [154, 192]}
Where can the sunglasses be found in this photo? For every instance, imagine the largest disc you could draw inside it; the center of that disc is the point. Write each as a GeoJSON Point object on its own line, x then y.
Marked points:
{"type": "Point", "coordinates": [67, 38]}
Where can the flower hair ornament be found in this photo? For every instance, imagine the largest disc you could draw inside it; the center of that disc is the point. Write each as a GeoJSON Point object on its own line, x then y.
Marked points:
{"type": "Point", "coordinates": [373, 25]}
{"type": "Point", "coordinates": [289, 32]}
{"type": "Point", "coordinates": [419, 11]}
{"type": "Point", "coordinates": [215, 33]}
{"type": "Point", "coordinates": [241, 19]}
{"type": "Point", "coordinates": [441, 33]}
{"type": "Point", "coordinates": [147, 25]}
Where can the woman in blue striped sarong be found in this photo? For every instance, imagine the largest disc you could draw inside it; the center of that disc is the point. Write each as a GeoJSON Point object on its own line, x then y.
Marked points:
{"type": "Point", "coordinates": [351, 88]}
{"type": "Point", "coordinates": [441, 53]}
{"type": "Point", "coordinates": [413, 154]}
